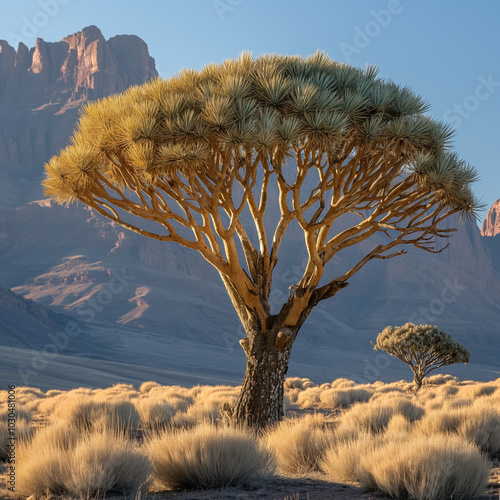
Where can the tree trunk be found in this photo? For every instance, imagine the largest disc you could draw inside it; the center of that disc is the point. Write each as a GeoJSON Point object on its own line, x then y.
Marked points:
{"type": "Point", "coordinates": [417, 379]}
{"type": "Point", "coordinates": [261, 399]}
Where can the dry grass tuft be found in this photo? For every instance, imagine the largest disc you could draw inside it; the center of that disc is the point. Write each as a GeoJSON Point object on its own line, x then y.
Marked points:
{"type": "Point", "coordinates": [145, 387]}
{"type": "Point", "coordinates": [59, 460]}
{"type": "Point", "coordinates": [206, 457]}
{"type": "Point", "coordinates": [425, 468]}
{"type": "Point", "coordinates": [342, 460]}
{"type": "Point", "coordinates": [298, 445]}
{"type": "Point", "coordinates": [23, 428]}
{"type": "Point", "coordinates": [106, 462]}
{"type": "Point", "coordinates": [482, 427]}
{"type": "Point", "coordinates": [342, 398]}
{"type": "Point", "coordinates": [90, 415]}
{"type": "Point", "coordinates": [154, 414]}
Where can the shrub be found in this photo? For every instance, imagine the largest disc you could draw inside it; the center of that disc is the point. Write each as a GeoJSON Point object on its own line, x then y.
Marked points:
{"type": "Point", "coordinates": [342, 460]}
{"type": "Point", "coordinates": [426, 468]}
{"type": "Point", "coordinates": [297, 383]}
{"type": "Point", "coordinates": [342, 398]}
{"type": "Point", "coordinates": [375, 415]}
{"type": "Point", "coordinates": [474, 391]}
{"type": "Point", "coordinates": [23, 428]}
{"type": "Point", "coordinates": [59, 460]}
{"type": "Point", "coordinates": [298, 444]}
{"type": "Point", "coordinates": [308, 398]}
{"type": "Point", "coordinates": [442, 421]}
{"type": "Point", "coordinates": [106, 462]}
{"type": "Point", "coordinates": [145, 387]}
{"type": "Point", "coordinates": [482, 427]}
{"type": "Point", "coordinates": [88, 415]}
{"type": "Point", "coordinates": [206, 457]}
{"type": "Point", "coordinates": [154, 414]}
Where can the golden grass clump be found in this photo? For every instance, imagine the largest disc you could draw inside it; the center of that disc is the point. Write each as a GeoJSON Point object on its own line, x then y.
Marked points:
{"type": "Point", "coordinates": [154, 414]}
{"type": "Point", "coordinates": [479, 424]}
{"type": "Point", "coordinates": [342, 383]}
{"type": "Point", "coordinates": [145, 387]}
{"type": "Point", "coordinates": [207, 457]}
{"type": "Point", "coordinates": [341, 460]}
{"type": "Point", "coordinates": [342, 398]}
{"type": "Point", "coordinates": [309, 398]}
{"type": "Point", "coordinates": [23, 428]}
{"type": "Point", "coordinates": [87, 448]}
{"type": "Point", "coordinates": [375, 416]}
{"type": "Point", "coordinates": [477, 390]}
{"type": "Point", "coordinates": [482, 427]}
{"type": "Point", "coordinates": [298, 444]}
{"type": "Point", "coordinates": [298, 383]}
{"type": "Point", "coordinates": [106, 462]}
{"type": "Point", "coordinates": [439, 379]}
{"type": "Point", "coordinates": [88, 414]}
{"type": "Point", "coordinates": [116, 393]}
{"type": "Point", "coordinates": [425, 468]}
{"type": "Point", "coordinates": [177, 397]}
{"type": "Point", "coordinates": [60, 460]}
{"type": "Point", "coordinates": [442, 421]}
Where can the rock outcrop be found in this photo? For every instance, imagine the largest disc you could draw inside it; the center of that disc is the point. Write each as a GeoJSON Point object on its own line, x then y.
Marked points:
{"type": "Point", "coordinates": [81, 66]}
{"type": "Point", "coordinates": [41, 90]}
{"type": "Point", "coordinates": [491, 224]}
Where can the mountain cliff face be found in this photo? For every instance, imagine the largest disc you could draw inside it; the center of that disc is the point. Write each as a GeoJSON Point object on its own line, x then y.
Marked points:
{"type": "Point", "coordinates": [166, 301]}
{"type": "Point", "coordinates": [491, 224]}
{"type": "Point", "coordinates": [41, 90]}
{"type": "Point", "coordinates": [81, 66]}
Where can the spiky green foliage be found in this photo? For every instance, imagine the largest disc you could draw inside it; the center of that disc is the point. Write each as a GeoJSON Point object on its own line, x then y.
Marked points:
{"type": "Point", "coordinates": [270, 105]}
{"type": "Point", "coordinates": [423, 347]}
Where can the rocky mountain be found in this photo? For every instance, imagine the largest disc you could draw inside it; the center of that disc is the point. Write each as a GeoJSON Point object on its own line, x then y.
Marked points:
{"type": "Point", "coordinates": [150, 310]}
{"type": "Point", "coordinates": [491, 224]}
{"type": "Point", "coordinates": [81, 66]}
{"type": "Point", "coordinates": [41, 90]}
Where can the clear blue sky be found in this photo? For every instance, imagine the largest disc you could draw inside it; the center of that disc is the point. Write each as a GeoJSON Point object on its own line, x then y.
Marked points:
{"type": "Point", "coordinates": [446, 50]}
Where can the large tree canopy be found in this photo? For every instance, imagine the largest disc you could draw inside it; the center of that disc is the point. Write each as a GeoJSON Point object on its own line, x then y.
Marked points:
{"type": "Point", "coordinates": [192, 154]}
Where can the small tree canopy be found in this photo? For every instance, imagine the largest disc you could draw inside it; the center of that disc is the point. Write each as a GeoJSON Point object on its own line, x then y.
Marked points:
{"type": "Point", "coordinates": [423, 347]}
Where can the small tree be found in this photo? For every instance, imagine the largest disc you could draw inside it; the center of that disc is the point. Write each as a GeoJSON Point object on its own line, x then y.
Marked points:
{"type": "Point", "coordinates": [423, 347]}
{"type": "Point", "coordinates": [227, 159]}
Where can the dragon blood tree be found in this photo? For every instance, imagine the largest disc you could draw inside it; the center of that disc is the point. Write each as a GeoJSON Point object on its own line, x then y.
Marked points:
{"type": "Point", "coordinates": [422, 347]}
{"type": "Point", "coordinates": [191, 160]}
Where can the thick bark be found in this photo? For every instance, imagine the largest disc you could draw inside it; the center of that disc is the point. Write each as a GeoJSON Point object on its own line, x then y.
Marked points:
{"type": "Point", "coordinates": [261, 399]}
{"type": "Point", "coordinates": [260, 403]}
